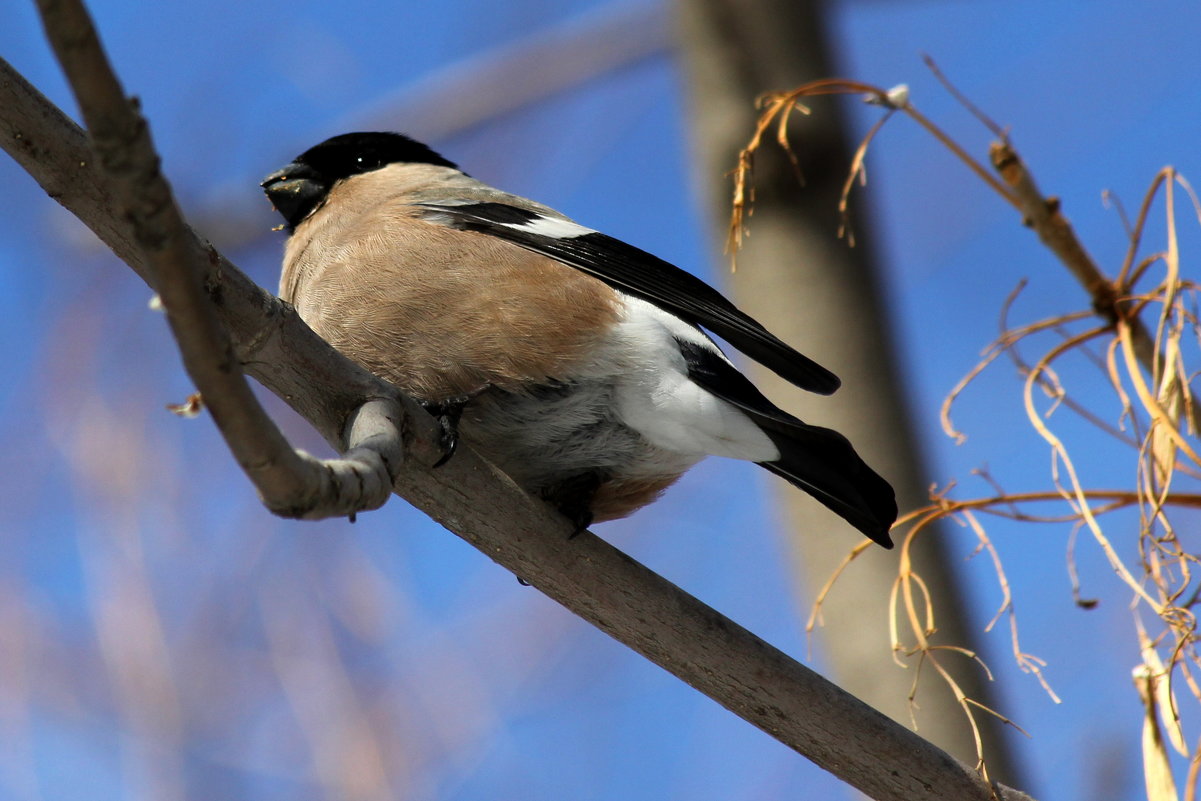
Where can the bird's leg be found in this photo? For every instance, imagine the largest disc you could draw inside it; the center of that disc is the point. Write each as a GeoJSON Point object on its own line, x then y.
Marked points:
{"type": "Point", "coordinates": [573, 497]}
{"type": "Point", "coordinates": [447, 413]}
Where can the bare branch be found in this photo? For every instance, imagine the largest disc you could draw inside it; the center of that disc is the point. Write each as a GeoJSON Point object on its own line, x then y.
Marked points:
{"type": "Point", "coordinates": [270, 340]}
{"type": "Point", "coordinates": [1044, 216]}
{"type": "Point", "coordinates": [291, 483]}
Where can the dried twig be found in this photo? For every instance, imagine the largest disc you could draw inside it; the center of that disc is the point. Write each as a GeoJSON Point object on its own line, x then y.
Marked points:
{"type": "Point", "coordinates": [1145, 368]}
{"type": "Point", "coordinates": [1045, 216]}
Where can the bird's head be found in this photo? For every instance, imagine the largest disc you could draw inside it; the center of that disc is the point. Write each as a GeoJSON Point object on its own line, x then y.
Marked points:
{"type": "Point", "coordinates": [298, 188]}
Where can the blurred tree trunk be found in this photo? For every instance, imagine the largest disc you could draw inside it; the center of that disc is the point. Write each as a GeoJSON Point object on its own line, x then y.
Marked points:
{"type": "Point", "coordinates": [824, 297]}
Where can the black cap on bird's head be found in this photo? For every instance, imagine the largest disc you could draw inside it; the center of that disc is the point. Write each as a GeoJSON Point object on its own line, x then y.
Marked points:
{"type": "Point", "coordinates": [298, 188]}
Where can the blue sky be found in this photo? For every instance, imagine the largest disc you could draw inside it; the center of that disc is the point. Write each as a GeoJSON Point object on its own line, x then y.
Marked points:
{"type": "Point", "coordinates": [167, 638]}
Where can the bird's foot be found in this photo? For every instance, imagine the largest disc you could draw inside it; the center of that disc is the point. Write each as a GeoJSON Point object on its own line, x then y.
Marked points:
{"type": "Point", "coordinates": [573, 497]}
{"type": "Point", "coordinates": [447, 413]}
{"type": "Point", "coordinates": [580, 520]}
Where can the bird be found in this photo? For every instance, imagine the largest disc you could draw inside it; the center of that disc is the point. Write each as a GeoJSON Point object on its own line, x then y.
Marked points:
{"type": "Point", "coordinates": [576, 363]}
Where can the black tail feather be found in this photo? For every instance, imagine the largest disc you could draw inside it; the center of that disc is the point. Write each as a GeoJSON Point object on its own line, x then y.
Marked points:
{"type": "Point", "coordinates": [824, 464]}
{"type": "Point", "coordinates": [817, 460]}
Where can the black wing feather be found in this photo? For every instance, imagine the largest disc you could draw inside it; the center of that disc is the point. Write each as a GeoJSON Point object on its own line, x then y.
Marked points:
{"type": "Point", "coordinates": [638, 273]}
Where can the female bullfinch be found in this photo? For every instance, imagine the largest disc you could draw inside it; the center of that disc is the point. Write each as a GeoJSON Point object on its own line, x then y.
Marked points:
{"type": "Point", "coordinates": [574, 362]}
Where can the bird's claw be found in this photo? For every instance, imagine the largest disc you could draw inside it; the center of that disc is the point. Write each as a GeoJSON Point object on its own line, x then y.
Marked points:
{"type": "Point", "coordinates": [448, 438]}
{"type": "Point", "coordinates": [574, 497]}
{"type": "Point", "coordinates": [447, 413]}
{"type": "Point", "coordinates": [581, 520]}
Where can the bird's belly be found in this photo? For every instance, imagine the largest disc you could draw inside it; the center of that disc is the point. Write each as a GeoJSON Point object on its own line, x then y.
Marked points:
{"type": "Point", "coordinates": [552, 437]}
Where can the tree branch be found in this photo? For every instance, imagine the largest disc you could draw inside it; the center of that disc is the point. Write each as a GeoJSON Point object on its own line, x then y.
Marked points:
{"type": "Point", "coordinates": [596, 581]}
{"type": "Point", "coordinates": [1044, 215]}
{"type": "Point", "coordinates": [291, 483]}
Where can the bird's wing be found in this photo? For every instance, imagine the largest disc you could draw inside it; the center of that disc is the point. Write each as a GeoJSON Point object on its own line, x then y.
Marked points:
{"type": "Point", "coordinates": [638, 273]}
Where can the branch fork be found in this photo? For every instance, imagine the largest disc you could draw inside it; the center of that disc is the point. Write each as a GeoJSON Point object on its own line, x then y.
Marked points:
{"type": "Point", "coordinates": [187, 279]}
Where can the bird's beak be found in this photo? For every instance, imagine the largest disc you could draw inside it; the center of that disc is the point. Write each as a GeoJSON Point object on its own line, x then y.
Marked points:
{"type": "Point", "coordinates": [294, 191]}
